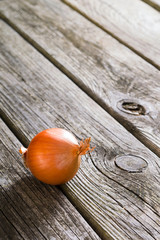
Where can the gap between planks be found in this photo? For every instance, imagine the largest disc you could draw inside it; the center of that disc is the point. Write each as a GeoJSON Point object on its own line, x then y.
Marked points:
{"type": "Point", "coordinates": [112, 34]}
{"type": "Point", "coordinates": [153, 3]}
{"type": "Point", "coordinates": [128, 125]}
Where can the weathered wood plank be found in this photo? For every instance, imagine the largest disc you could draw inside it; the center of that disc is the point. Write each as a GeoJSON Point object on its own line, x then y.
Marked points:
{"type": "Point", "coordinates": [35, 95]}
{"type": "Point", "coordinates": [100, 65]}
{"type": "Point", "coordinates": [31, 210]}
{"type": "Point", "coordinates": [7, 230]}
{"type": "Point", "coordinates": [153, 3]}
{"type": "Point", "coordinates": [133, 23]}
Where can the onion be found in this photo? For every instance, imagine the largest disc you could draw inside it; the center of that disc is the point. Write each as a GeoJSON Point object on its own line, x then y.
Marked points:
{"type": "Point", "coordinates": [54, 155]}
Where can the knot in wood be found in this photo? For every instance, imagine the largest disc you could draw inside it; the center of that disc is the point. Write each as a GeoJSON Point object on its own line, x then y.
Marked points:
{"type": "Point", "coordinates": [131, 107]}
{"type": "Point", "coordinates": [131, 163]}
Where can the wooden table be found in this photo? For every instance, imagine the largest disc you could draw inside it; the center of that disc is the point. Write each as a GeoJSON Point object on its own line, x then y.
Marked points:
{"type": "Point", "coordinates": [91, 67]}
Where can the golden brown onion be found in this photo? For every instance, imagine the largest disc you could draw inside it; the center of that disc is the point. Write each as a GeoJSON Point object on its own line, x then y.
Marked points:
{"type": "Point", "coordinates": [54, 155]}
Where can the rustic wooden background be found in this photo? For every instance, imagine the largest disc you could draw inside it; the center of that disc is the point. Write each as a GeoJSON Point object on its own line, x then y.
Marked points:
{"type": "Point", "coordinates": [91, 67]}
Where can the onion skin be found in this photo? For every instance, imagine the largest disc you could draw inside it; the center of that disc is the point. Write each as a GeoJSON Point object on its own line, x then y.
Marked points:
{"type": "Point", "coordinates": [54, 155]}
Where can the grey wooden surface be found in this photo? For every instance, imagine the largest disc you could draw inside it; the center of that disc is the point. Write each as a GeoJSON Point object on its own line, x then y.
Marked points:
{"type": "Point", "coordinates": [133, 23]}
{"type": "Point", "coordinates": [116, 192]}
{"type": "Point", "coordinates": [105, 69]}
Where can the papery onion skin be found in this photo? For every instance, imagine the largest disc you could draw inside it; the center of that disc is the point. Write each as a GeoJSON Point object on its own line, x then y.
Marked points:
{"type": "Point", "coordinates": [54, 155]}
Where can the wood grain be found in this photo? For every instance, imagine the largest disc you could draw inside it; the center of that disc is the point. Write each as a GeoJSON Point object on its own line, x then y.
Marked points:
{"type": "Point", "coordinates": [35, 95]}
{"type": "Point", "coordinates": [133, 23]}
{"type": "Point", "coordinates": [30, 209]}
{"type": "Point", "coordinates": [96, 62]}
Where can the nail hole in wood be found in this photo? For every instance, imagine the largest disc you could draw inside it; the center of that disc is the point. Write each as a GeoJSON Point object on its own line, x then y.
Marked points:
{"type": "Point", "coordinates": [131, 163]}
{"type": "Point", "coordinates": [131, 107]}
